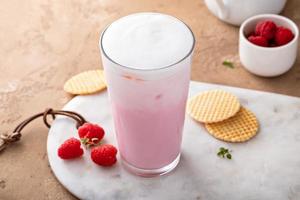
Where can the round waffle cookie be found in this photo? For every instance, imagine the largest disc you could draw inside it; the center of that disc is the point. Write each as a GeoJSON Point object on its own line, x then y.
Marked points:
{"type": "Point", "coordinates": [87, 82]}
{"type": "Point", "coordinates": [239, 128]}
{"type": "Point", "coordinates": [213, 106]}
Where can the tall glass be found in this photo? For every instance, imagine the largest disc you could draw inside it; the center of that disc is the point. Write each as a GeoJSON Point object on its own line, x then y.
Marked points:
{"type": "Point", "coordinates": [148, 108]}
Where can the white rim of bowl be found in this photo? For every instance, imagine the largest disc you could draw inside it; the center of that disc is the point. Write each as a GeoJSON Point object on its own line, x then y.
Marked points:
{"type": "Point", "coordinates": [270, 16]}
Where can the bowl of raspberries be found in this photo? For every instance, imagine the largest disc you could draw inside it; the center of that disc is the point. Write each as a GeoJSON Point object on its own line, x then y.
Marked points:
{"type": "Point", "coordinates": [268, 44]}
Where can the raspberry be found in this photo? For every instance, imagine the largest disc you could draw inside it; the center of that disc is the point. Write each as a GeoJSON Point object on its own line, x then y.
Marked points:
{"type": "Point", "coordinates": [90, 134]}
{"type": "Point", "coordinates": [104, 155]}
{"type": "Point", "coordinates": [266, 29]}
{"type": "Point", "coordinates": [70, 149]}
{"type": "Point", "coordinates": [272, 43]}
{"type": "Point", "coordinates": [283, 36]}
{"type": "Point", "coordinates": [258, 40]}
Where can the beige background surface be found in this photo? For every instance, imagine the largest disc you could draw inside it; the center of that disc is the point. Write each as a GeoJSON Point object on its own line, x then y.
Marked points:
{"type": "Point", "coordinates": [44, 42]}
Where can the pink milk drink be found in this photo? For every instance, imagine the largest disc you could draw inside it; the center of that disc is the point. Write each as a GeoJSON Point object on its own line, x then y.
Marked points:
{"type": "Point", "coordinates": [146, 59]}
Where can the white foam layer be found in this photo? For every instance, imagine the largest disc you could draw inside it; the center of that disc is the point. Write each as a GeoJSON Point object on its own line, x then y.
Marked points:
{"type": "Point", "coordinates": [147, 41]}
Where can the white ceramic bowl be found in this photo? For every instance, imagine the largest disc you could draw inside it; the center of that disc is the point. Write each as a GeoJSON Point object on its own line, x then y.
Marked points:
{"type": "Point", "coordinates": [267, 61]}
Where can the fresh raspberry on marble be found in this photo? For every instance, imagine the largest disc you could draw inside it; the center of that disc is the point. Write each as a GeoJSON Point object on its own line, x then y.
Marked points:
{"type": "Point", "coordinates": [90, 134]}
{"type": "Point", "coordinates": [266, 29]}
{"type": "Point", "coordinates": [70, 149]}
{"type": "Point", "coordinates": [283, 36]}
{"type": "Point", "coordinates": [258, 40]}
{"type": "Point", "coordinates": [104, 155]}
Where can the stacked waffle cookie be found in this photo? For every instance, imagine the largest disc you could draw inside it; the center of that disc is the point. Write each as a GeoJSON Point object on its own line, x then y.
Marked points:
{"type": "Point", "coordinates": [223, 116]}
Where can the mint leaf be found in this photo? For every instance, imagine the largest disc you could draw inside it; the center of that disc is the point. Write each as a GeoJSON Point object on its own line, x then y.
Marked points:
{"type": "Point", "coordinates": [219, 153]}
{"type": "Point", "coordinates": [228, 156]}
{"type": "Point", "coordinates": [224, 153]}
{"type": "Point", "coordinates": [228, 64]}
{"type": "Point", "coordinates": [222, 149]}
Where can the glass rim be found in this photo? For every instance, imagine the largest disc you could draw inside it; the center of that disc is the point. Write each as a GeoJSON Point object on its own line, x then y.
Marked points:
{"type": "Point", "coordinates": [155, 69]}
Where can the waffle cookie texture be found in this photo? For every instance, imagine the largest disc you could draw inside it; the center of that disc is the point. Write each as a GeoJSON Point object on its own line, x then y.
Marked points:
{"type": "Point", "coordinates": [87, 82]}
{"type": "Point", "coordinates": [239, 128]}
{"type": "Point", "coordinates": [213, 106]}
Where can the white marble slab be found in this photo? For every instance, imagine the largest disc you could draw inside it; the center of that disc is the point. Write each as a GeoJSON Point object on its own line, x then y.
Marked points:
{"type": "Point", "coordinates": [267, 167]}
